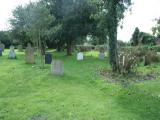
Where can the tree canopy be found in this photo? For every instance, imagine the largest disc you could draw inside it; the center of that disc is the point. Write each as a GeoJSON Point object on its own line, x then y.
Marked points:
{"type": "Point", "coordinates": [156, 28]}
{"type": "Point", "coordinates": [66, 22]}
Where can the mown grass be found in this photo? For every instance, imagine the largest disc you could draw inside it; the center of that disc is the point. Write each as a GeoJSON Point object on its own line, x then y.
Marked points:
{"type": "Point", "coordinates": [30, 93]}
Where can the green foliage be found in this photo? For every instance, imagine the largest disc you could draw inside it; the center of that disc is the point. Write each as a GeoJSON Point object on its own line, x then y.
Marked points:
{"type": "Point", "coordinates": [101, 48]}
{"type": "Point", "coordinates": [32, 21]}
{"type": "Point", "coordinates": [156, 48]}
{"type": "Point", "coordinates": [114, 14]}
{"type": "Point", "coordinates": [142, 38]}
{"type": "Point", "coordinates": [84, 48]}
{"type": "Point", "coordinates": [127, 62]}
{"type": "Point", "coordinates": [30, 93]}
{"type": "Point", "coordinates": [135, 37]}
{"type": "Point", "coordinates": [5, 38]}
{"type": "Point", "coordinates": [65, 21]}
{"type": "Point", "coordinates": [146, 39]}
{"type": "Point", "coordinates": [75, 20]}
{"type": "Point", "coordinates": [156, 28]}
{"type": "Point", "coordinates": [145, 54]}
{"type": "Point", "coordinates": [151, 57]}
{"type": "Point", "coordinates": [121, 43]}
{"type": "Point", "coordinates": [18, 23]}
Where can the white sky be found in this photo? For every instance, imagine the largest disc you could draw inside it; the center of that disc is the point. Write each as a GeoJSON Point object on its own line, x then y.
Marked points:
{"type": "Point", "coordinates": [143, 13]}
{"type": "Point", "coordinates": [6, 8]}
{"type": "Point", "coordinates": [142, 16]}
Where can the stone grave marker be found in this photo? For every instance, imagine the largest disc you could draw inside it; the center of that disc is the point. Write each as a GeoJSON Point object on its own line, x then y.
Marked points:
{"type": "Point", "coordinates": [101, 55]}
{"type": "Point", "coordinates": [57, 67]}
{"type": "Point", "coordinates": [2, 46]}
{"type": "Point", "coordinates": [20, 48]}
{"type": "Point", "coordinates": [12, 54]}
{"type": "Point", "coordinates": [1, 52]}
{"type": "Point", "coordinates": [48, 58]}
{"type": "Point", "coordinates": [80, 56]}
{"type": "Point", "coordinates": [29, 54]}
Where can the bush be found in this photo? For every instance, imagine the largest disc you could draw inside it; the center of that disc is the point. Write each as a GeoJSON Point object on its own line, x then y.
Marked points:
{"type": "Point", "coordinates": [151, 57]}
{"type": "Point", "coordinates": [84, 48]}
{"type": "Point", "coordinates": [156, 48]}
{"type": "Point", "coordinates": [100, 48]}
{"type": "Point", "coordinates": [127, 62]}
{"type": "Point", "coordinates": [146, 54]}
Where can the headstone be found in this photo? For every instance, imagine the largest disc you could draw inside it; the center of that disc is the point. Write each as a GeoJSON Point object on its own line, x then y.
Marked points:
{"type": "Point", "coordinates": [57, 67]}
{"type": "Point", "coordinates": [12, 54]}
{"type": "Point", "coordinates": [80, 56]}
{"type": "Point", "coordinates": [2, 46]}
{"type": "Point", "coordinates": [101, 56]}
{"type": "Point", "coordinates": [48, 58]}
{"type": "Point", "coordinates": [1, 52]}
{"type": "Point", "coordinates": [29, 54]}
{"type": "Point", "coordinates": [20, 48]}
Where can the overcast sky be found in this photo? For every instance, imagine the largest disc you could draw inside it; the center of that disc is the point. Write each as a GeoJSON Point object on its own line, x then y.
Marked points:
{"type": "Point", "coordinates": [142, 16]}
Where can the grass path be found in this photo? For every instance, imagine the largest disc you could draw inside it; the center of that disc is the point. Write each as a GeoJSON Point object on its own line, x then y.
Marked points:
{"type": "Point", "coordinates": [30, 93]}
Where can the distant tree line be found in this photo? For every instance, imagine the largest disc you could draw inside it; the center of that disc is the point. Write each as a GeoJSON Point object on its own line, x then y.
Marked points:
{"type": "Point", "coordinates": [142, 38]}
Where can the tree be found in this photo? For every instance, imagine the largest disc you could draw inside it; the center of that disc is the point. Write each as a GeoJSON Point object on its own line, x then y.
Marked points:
{"type": "Point", "coordinates": [74, 17]}
{"type": "Point", "coordinates": [5, 38]}
{"type": "Point", "coordinates": [142, 38]}
{"type": "Point", "coordinates": [146, 39]}
{"type": "Point", "coordinates": [114, 13]}
{"type": "Point", "coordinates": [156, 28]}
{"type": "Point", "coordinates": [135, 37]}
{"type": "Point", "coordinates": [18, 23]}
{"type": "Point", "coordinates": [34, 19]}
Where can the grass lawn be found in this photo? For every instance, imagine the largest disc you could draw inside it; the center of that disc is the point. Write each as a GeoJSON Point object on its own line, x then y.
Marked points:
{"type": "Point", "coordinates": [30, 93]}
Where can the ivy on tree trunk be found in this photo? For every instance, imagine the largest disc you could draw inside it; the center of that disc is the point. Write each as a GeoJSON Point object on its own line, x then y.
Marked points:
{"type": "Point", "coordinates": [112, 24]}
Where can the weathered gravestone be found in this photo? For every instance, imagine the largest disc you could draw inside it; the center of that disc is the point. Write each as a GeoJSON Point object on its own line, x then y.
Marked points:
{"type": "Point", "coordinates": [29, 54]}
{"type": "Point", "coordinates": [57, 67]}
{"type": "Point", "coordinates": [20, 48]}
{"type": "Point", "coordinates": [2, 46]}
{"type": "Point", "coordinates": [12, 54]}
{"type": "Point", "coordinates": [48, 58]}
{"type": "Point", "coordinates": [101, 56]}
{"type": "Point", "coordinates": [1, 52]}
{"type": "Point", "coordinates": [80, 56]}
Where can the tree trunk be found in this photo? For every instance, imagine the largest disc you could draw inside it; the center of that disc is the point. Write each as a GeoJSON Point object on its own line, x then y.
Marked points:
{"type": "Point", "coordinates": [69, 48]}
{"type": "Point", "coordinates": [40, 50]}
{"type": "Point", "coordinates": [112, 33]}
{"type": "Point", "coordinates": [43, 48]}
{"type": "Point", "coordinates": [59, 47]}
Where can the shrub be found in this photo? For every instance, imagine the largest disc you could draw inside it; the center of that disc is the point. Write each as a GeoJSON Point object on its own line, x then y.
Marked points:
{"type": "Point", "coordinates": [84, 48]}
{"type": "Point", "coordinates": [151, 57]}
{"type": "Point", "coordinates": [127, 62]}
{"type": "Point", "coordinates": [156, 48]}
{"type": "Point", "coordinates": [100, 48]}
{"type": "Point", "coordinates": [146, 54]}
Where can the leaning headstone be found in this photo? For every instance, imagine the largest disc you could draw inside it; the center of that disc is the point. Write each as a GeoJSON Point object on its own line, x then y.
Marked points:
{"type": "Point", "coordinates": [29, 54]}
{"type": "Point", "coordinates": [57, 68]}
{"type": "Point", "coordinates": [2, 46]}
{"type": "Point", "coordinates": [48, 58]}
{"type": "Point", "coordinates": [101, 56]}
{"type": "Point", "coordinates": [1, 52]}
{"type": "Point", "coordinates": [80, 56]}
{"type": "Point", "coordinates": [20, 48]}
{"type": "Point", "coordinates": [12, 54]}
